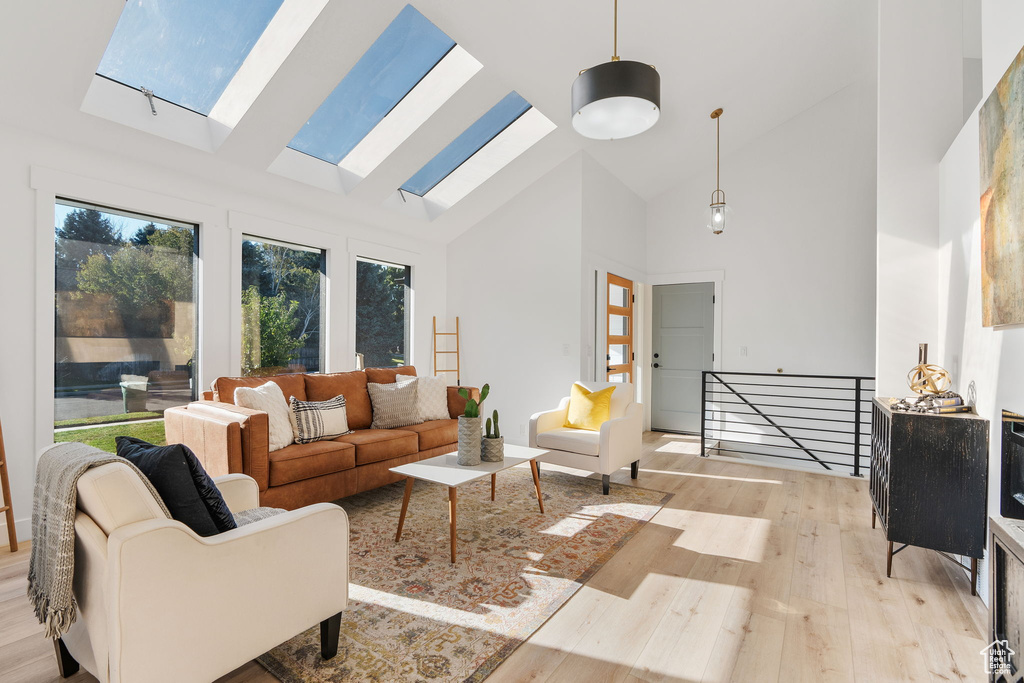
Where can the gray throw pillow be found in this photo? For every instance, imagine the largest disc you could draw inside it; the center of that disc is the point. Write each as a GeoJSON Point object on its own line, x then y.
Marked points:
{"type": "Point", "coordinates": [394, 405]}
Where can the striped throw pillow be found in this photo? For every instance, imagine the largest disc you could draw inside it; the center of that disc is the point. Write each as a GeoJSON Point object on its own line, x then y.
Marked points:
{"type": "Point", "coordinates": [319, 420]}
{"type": "Point", "coordinates": [394, 405]}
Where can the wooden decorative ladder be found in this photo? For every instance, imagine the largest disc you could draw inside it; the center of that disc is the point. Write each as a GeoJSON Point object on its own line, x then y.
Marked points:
{"type": "Point", "coordinates": [437, 352]}
{"type": "Point", "coordinates": [5, 488]}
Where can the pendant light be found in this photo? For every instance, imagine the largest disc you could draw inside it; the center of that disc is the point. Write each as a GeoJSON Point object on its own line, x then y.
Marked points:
{"type": "Point", "coordinates": [717, 212]}
{"type": "Point", "coordinates": [616, 99]}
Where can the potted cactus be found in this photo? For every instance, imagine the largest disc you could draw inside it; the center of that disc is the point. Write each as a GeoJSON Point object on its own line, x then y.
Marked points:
{"type": "Point", "coordinates": [469, 428]}
{"type": "Point", "coordinates": [492, 447]}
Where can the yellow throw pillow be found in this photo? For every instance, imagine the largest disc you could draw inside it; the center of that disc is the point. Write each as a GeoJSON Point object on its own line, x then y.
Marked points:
{"type": "Point", "coordinates": [588, 409]}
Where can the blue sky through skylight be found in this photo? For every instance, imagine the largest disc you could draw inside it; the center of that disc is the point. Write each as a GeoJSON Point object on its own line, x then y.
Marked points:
{"type": "Point", "coordinates": [485, 129]}
{"type": "Point", "coordinates": [185, 51]}
{"type": "Point", "coordinates": [403, 54]}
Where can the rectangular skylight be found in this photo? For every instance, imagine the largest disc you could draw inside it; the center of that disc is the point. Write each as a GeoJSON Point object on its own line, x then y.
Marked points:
{"type": "Point", "coordinates": [401, 57]}
{"type": "Point", "coordinates": [186, 51]}
{"type": "Point", "coordinates": [472, 140]}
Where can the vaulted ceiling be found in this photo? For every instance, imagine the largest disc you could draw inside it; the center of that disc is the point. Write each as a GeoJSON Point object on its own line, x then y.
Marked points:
{"type": "Point", "coordinates": [762, 62]}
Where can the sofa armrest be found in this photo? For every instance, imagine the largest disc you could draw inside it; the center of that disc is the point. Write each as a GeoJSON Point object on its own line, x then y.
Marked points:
{"type": "Point", "coordinates": [547, 420]}
{"type": "Point", "coordinates": [621, 439]}
{"type": "Point", "coordinates": [224, 599]}
{"type": "Point", "coordinates": [457, 404]}
{"type": "Point", "coordinates": [240, 492]}
{"type": "Point", "coordinates": [226, 438]}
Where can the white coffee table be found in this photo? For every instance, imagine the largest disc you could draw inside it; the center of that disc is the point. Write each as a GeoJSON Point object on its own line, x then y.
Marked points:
{"type": "Point", "coordinates": [443, 469]}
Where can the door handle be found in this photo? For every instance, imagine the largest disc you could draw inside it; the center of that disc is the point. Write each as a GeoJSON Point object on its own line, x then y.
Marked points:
{"type": "Point", "coordinates": [608, 369]}
{"type": "Point", "coordinates": [655, 355]}
{"type": "Point", "coordinates": [656, 365]}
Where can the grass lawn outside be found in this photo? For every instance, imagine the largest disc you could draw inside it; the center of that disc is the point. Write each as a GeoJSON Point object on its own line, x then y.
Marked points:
{"type": "Point", "coordinates": [104, 419]}
{"type": "Point", "coordinates": [103, 437]}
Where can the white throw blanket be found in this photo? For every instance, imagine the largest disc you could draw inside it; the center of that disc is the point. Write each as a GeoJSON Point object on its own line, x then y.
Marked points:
{"type": "Point", "coordinates": [52, 565]}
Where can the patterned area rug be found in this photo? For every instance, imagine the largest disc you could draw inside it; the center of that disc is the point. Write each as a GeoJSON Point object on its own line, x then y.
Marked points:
{"type": "Point", "coordinates": [413, 616]}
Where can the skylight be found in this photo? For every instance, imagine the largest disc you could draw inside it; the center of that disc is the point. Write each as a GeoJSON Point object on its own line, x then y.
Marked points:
{"type": "Point", "coordinates": [186, 51]}
{"type": "Point", "coordinates": [400, 59]}
{"type": "Point", "coordinates": [471, 141]}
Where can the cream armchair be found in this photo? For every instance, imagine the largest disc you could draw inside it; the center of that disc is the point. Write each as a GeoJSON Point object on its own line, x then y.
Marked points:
{"type": "Point", "coordinates": [617, 444]}
{"type": "Point", "coordinates": [156, 602]}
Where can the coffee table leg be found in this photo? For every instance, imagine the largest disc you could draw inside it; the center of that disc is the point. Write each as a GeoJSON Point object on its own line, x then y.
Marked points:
{"type": "Point", "coordinates": [451, 517]}
{"type": "Point", "coordinates": [536, 483]}
{"type": "Point", "coordinates": [405, 506]}
{"type": "Point", "coordinates": [494, 478]}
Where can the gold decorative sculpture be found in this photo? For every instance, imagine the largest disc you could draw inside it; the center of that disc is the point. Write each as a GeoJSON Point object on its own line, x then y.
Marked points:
{"type": "Point", "coordinates": [927, 379]}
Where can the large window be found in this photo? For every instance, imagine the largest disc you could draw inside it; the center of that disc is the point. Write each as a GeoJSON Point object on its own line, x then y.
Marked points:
{"type": "Point", "coordinates": [383, 304]}
{"type": "Point", "coordinates": [125, 318]}
{"type": "Point", "coordinates": [282, 308]}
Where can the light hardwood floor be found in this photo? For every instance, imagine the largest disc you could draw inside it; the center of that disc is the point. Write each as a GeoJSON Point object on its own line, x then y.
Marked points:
{"type": "Point", "coordinates": [749, 573]}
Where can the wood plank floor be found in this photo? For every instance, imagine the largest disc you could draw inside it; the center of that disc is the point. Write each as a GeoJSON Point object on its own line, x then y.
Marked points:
{"type": "Point", "coordinates": [749, 573]}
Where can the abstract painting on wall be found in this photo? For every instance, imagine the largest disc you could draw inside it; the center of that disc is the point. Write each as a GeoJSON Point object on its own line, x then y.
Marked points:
{"type": "Point", "coordinates": [1002, 200]}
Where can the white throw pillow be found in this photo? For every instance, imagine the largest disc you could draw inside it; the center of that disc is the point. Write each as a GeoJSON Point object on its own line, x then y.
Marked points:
{"type": "Point", "coordinates": [319, 420]}
{"type": "Point", "coordinates": [270, 399]}
{"type": "Point", "coordinates": [432, 396]}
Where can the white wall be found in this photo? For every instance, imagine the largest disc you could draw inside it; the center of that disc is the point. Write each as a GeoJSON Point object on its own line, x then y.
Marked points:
{"type": "Point", "coordinates": [920, 109]}
{"type": "Point", "coordinates": [799, 253]}
{"type": "Point", "coordinates": [614, 240]}
{"type": "Point", "coordinates": [523, 280]}
{"type": "Point", "coordinates": [514, 282]}
{"type": "Point", "coordinates": [989, 360]}
{"type": "Point", "coordinates": [35, 168]}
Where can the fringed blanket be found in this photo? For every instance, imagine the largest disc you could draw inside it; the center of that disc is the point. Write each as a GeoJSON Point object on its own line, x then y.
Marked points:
{"type": "Point", "coordinates": [52, 565]}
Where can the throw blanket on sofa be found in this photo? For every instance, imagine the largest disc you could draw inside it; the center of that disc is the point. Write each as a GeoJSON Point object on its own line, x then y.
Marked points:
{"type": "Point", "coordinates": [51, 568]}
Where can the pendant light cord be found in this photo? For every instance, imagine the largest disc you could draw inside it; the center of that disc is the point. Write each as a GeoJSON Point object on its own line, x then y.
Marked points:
{"type": "Point", "coordinates": [718, 153]}
{"type": "Point", "coordinates": [615, 34]}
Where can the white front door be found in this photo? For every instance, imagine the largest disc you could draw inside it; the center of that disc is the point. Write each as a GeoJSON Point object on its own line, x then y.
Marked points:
{"type": "Point", "coordinates": [683, 336]}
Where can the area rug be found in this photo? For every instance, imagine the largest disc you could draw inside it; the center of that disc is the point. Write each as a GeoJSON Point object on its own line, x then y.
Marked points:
{"type": "Point", "coordinates": [414, 616]}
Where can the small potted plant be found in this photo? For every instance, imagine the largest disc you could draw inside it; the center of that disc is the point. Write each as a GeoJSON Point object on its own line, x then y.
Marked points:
{"type": "Point", "coordinates": [492, 447]}
{"type": "Point", "coordinates": [469, 428]}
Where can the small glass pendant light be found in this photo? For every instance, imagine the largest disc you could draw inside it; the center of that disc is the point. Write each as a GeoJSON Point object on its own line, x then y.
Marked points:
{"type": "Point", "coordinates": [718, 208]}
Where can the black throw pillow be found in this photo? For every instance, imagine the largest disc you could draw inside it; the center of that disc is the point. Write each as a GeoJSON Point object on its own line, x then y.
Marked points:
{"type": "Point", "coordinates": [187, 490]}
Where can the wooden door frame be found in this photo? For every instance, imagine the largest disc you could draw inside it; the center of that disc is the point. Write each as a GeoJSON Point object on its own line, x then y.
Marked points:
{"type": "Point", "coordinates": [715, 276]}
{"type": "Point", "coordinates": [630, 312]}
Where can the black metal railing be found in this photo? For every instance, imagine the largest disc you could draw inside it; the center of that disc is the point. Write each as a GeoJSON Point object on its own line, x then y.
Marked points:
{"type": "Point", "coordinates": [820, 420]}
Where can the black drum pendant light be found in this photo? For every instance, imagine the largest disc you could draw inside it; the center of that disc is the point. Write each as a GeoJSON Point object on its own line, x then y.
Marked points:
{"type": "Point", "coordinates": [616, 99]}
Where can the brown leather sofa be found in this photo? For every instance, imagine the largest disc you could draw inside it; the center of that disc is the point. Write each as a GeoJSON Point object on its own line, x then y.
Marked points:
{"type": "Point", "coordinates": [228, 438]}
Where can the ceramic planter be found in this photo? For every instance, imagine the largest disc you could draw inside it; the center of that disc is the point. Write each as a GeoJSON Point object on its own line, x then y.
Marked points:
{"type": "Point", "coordinates": [492, 450]}
{"type": "Point", "coordinates": [469, 440]}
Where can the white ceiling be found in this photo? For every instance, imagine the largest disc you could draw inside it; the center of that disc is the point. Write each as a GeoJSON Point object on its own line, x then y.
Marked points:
{"type": "Point", "coordinates": [763, 62]}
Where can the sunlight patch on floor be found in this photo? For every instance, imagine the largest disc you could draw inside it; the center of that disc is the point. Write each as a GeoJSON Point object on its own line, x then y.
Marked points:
{"type": "Point", "coordinates": [492, 618]}
{"type": "Point", "coordinates": [713, 476]}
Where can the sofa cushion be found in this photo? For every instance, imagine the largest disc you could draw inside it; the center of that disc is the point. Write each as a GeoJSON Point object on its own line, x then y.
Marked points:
{"type": "Point", "coordinates": [269, 398]}
{"type": "Point", "coordinates": [588, 409]}
{"type": "Point", "coordinates": [394, 405]}
{"type": "Point", "coordinates": [307, 460]}
{"type": "Point", "coordinates": [318, 420]}
{"type": "Point", "coordinates": [572, 440]}
{"type": "Point", "coordinates": [291, 385]}
{"type": "Point", "coordinates": [431, 396]}
{"type": "Point", "coordinates": [351, 385]}
{"type": "Point", "coordinates": [387, 375]}
{"type": "Point", "coordinates": [188, 492]}
{"type": "Point", "coordinates": [436, 433]}
{"type": "Point", "coordinates": [374, 445]}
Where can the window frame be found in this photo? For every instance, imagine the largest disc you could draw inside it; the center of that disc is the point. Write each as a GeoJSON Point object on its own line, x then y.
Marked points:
{"type": "Point", "coordinates": [250, 236]}
{"type": "Point", "coordinates": [48, 390]}
{"type": "Point", "coordinates": [410, 297]}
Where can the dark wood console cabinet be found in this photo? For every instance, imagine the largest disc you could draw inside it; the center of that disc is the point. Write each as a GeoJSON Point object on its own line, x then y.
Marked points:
{"type": "Point", "coordinates": [929, 482]}
{"type": "Point", "coordinates": [1007, 604]}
